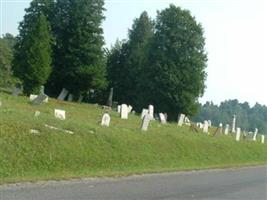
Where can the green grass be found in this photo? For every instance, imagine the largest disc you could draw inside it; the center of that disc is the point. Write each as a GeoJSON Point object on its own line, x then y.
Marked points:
{"type": "Point", "coordinates": [92, 150]}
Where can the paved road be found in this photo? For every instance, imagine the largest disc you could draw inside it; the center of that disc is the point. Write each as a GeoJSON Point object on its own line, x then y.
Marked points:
{"type": "Point", "coordinates": [239, 184]}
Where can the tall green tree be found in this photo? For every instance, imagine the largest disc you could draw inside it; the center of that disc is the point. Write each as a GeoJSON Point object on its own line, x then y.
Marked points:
{"type": "Point", "coordinates": [79, 63]}
{"type": "Point", "coordinates": [5, 63]}
{"type": "Point", "coordinates": [175, 75]}
{"type": "Point", "coordinates": [32, 56]}
{"type": "Point", "coordinates": [127, 60]}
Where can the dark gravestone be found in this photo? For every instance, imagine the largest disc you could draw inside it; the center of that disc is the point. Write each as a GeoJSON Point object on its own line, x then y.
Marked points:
{"type": "Point", "coordinates": [109, 101]}
{"type": "Point", "coordinates": [38, 100]}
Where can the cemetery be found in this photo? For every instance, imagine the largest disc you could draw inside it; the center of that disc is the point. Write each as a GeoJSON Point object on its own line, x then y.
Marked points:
{"type": "Point", "coordinates": [51, 139]}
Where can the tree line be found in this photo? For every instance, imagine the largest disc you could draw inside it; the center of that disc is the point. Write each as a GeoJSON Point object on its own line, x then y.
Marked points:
{"type": "Point", "coordinates": [247, 118]}
{"type": "Point", "coordinates": [162, 62]}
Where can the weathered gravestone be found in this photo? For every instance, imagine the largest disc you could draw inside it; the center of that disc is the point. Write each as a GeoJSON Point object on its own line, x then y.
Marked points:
{"type": "Point", "coordinates": [60, 114]}
{"type": "Point", "coordinates": [110, 98]}
{"type": "Point", "coordinates": [70, 98]}
{"type": "Point", "coordinates": [209, 122]}
{"type": "Point", "coordinates": [124, 111]}
{"type": "Point", "coordinates": [187, 121]}
{"type": "Point", "coordinates": [220, 127]}
{"type": "Point", "coordinates": [262, 139]}
{"type": "Point", "coordinates": [151, 111]}
{"type": "Point", "coordinates": [145, 122]}
{"type": "Point", "coordinates": [206, 127]}
{"type": "Point", "coordinates": [105, 120]}
{"type": "Point", "coordinates": [42, 88]}
{"type": "Point", "coordinates": [226, 130]}
{"type": "Point", "coordinates": [39, 99]}
{"type": "Point", "coordinates": [119, 108]}
{"type": "Point", "coordinates": [37, 113]}
{"type": "Point", "coordinates": [33, 96]}
{"type": "Point", "coordinates": [234, 124]}
{"type": "Point", "coordinates": [255, 134]}
{"type": "Point", "coordinates": [63, 94]}
{"type": "Point", "coordinates": [181, 119]}
{"type": "Point", "coordinates": [238, 133]}
{"type": "Point", "coordinates": [16, 91]}
{"type": "Point", "coordinates": [130, 108]}
{"type": "Point", "coordinates": [144, 112]}
{"type": "Point", "coordinates": [162, 118]}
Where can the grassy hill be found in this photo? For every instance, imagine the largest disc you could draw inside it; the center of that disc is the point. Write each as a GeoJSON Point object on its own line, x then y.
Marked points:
{"type": "Point", "coordinates": [93, 150]}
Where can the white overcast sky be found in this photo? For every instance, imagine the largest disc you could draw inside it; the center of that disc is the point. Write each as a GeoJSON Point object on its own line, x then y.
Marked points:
{"type": "Point", "coordinates": [235, 32]}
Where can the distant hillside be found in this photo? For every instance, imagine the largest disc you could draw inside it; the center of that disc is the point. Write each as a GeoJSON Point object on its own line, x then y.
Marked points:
{"type": "Point", "coordinates": [248, 118]}
{"type": "Point", "coordinates": [88, 149]}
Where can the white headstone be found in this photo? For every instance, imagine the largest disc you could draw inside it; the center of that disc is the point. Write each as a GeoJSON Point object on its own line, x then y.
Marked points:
{"type": "Point", "coordinates": [187, 121]}
{"type": "Point", "coordinates": [151, 111]}
{"type": "Point", "coordinates": [206, 127]}
{"type": "Point", "coordinates": [221, 127]}
{"type": "Point", "coordinates": [238, 133]}
{"type": "Point", "coordinates": [124, 111]}
{"type": "Point", "coordinates": [33, 96]}
{"type": "Point", "coordinates": [63, 94]}
{"type": "Point", "coordinates": [209, 122]}
{"type": "Point", "coordinates": [37, 113]}
{"type": "Point", "coordinates": [181, 119]}
{"type": "Point", "coordinates": [145, 122]}
{"type": "Point", "coordinates": [262, 139]}
{"type": "Point", "coordinates": [119, 108]}
{"type": "Point", "coordinates": [60, 114]}
{"type": "Point", "coordinates": [255, 134]}
{"type": "Point", "coordinates": [234, 123]}
{"type": "Point", "coordinates": [105, 120]}
{"type": "Point", "coordinates": [144, 112]}
{"type": "Point", "coordinates": [130, 108]}
{"type": "Point", "coordinates": [226, 130]}
{"type": "Point", "coordinates": [162, 118]}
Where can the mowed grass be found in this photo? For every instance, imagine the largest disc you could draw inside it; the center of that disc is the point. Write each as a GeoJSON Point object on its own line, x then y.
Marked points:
{"type": "Point", "coordinates": [92, 150]}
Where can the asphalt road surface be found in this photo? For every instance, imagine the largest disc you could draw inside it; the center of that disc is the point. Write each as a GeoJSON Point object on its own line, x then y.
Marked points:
{"type": "Point", "coordinates": [238, 184]}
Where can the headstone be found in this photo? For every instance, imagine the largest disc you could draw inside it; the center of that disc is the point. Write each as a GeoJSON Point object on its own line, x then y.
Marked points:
{"type": "Point", "coordinates": [255, 134]}
{"type": "Point", "coordinates": [144, 112]}
{"type": "Point", "coordinates": [119, 109]}
{"type": "Point", "coordinates": [166, 116]}
{"type": "Point", "coordinates": [181, 119]}
{"type": "Point", "coordinates": [39, 99]}
{"type": "Point", "coordinates": [226, 130]}
{"type": "Point", "coordinates": [105, 120]}
{"type": "Point", "coordinates": [60, 114]}
{"type": "Point", "coordinates": [133, 112]}
{"type": "Point", "coordinates": [42, 88]}
{"type": "Point", "coordinates": [37, 113]}
{"type": "Point", "coordinates": [80, 98]}
{"type": "Point", "coordinates": [209, 122]}
{"type": "Point", "coordinates": [145, 122]}
{"type": "Point", "coordinates": [151, 111]}
{"type": "Point", "coordinates": [70, 97]}
{"type": "Point", "coordinates": [124, 111]}
{"type": "Point", "coordinates": [63, 94]}
{"type": "Point", "coordinates": [162, 118]}
{"type": "Point", "coordinates": [33, 96]}
{"type": "Point", "coordinates": [110, 97]}
{"type": "Point", "coordinates": [238, 133]}
{"type": "Point", "coordinates": [262, 139]}
{"type": "Point", "coordinates": [206, 127]}
{"type": "Point", "coordinates": [187, 121]}
{"type": "Point", "coordinates": [130, 108]}
{"type": "Point", "coordinates": [221, 127]}
{"type": "Point", "coordinates": [234, 124]}
{"type": "Point", "coordinates": [16, 91]}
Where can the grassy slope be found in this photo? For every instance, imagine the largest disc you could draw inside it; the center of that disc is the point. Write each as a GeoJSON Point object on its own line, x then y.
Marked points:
{"type": "Point", "coordinates": [97, 151]}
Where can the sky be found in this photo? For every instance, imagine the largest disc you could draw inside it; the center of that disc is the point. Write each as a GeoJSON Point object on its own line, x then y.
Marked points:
{"type": "Point", "coordinates": [235, 32]}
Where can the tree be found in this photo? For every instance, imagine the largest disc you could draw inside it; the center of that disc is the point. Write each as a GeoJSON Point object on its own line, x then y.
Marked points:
{"type": "Point", "coordinates": [175, 75]}
{"type": "Point", "coordinates": [5, 64]}
{"type": "Point", "coordinates": [127, 60]}
{"type": "Point", "coordinates": [79, 63]}
{"type": "Point", "coordinates": [32, 57]}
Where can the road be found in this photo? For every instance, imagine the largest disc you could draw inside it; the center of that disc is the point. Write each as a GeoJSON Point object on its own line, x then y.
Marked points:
{"type": "Point", "coordinates": [239, 184]}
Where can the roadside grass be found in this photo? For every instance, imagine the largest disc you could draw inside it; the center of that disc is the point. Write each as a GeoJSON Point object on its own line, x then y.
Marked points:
{"type": "Point", "coordinates": [93, 151]}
